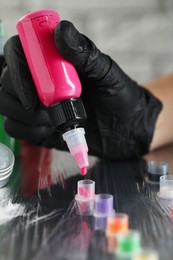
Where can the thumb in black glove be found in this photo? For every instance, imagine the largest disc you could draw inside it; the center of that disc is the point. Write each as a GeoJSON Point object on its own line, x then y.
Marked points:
{"type": "Point", "coordinates": [121, 114]}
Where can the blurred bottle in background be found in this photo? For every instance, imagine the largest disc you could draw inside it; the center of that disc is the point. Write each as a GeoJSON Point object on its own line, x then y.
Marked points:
{"type": "Point", "coordinates": [12, 143]}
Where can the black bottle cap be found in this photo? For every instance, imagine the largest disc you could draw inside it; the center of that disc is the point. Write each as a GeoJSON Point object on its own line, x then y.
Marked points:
{"type": "Point", "coordinates": [66, 114]}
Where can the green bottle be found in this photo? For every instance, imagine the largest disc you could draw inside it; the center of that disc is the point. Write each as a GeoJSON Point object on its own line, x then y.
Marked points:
{"type": "Point", "coordinates": [2, 37]}
{"type": "Point", "coordinates": [12, 143]}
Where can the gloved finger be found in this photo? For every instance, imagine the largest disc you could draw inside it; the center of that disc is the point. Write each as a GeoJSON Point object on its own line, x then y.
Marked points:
{"type": "Point", "coordinates": [17, 75]}
{"type": "Point", "coordinates": [13, 109]}
{"type": "Point", "coordinates": [81, 51]}
{"type": "Point", "coordinates": [1, 63]}
{"type": "Point", "coordinates": [94, 67]}
{"type": "Point", "coordinates": [39, 135]}
{"type": "Point", "coordinates": [24, 132]}
{"type": "Point", "coordinates": [55, 140]}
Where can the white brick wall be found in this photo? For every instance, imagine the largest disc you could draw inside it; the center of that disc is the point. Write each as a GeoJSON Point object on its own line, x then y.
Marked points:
{"type": "Point", "coordinates": [138, 34]}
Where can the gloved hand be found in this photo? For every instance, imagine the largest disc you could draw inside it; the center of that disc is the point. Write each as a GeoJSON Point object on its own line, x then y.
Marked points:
{"type": "Point", "coordinates": [121, 114]}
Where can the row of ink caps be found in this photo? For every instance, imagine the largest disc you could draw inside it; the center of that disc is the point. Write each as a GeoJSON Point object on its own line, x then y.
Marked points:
{"type": "Point", "coordinates": [123, 242]}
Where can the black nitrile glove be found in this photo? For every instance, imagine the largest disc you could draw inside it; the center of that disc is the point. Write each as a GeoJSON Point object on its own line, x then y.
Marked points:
{"type": "Point", "coordinates": [121, 114]}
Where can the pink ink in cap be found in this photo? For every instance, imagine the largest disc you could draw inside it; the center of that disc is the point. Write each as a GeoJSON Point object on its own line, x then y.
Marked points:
{"type": "Point", "coordinates": [85, 196]}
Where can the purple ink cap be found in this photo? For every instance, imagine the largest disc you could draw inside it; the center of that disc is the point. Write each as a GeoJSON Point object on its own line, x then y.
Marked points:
{"type": "Point", "coordinates": [104, 204]}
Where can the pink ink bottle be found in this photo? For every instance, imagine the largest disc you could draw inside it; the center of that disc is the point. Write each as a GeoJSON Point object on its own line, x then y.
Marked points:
{"type": "Point", "coordinates": [56, 81]}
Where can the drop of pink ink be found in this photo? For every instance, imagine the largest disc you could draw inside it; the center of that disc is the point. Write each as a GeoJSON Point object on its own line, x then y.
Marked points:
{"type": "Point", "coordinates": [83, 170]}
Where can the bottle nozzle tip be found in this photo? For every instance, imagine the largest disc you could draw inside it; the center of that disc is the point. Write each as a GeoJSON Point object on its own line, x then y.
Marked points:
{"type": "Point", "coordinates": [83, 170]}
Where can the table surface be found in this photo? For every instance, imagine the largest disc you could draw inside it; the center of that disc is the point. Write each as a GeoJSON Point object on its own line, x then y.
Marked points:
{"type": "Point", "coordinates": [38, 215]}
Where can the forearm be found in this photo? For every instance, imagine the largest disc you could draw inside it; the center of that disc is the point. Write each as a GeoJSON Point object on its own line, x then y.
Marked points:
{"type": "Point", "coordinates": [163, 89]}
